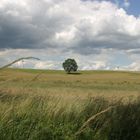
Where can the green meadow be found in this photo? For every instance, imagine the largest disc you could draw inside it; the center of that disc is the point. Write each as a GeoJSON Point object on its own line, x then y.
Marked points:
{"type": "Point", "coordinates": [53, 105]}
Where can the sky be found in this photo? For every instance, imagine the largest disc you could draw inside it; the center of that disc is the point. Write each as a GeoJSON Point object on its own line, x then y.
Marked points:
{"type": "Point", "coordinates": [98, 34]}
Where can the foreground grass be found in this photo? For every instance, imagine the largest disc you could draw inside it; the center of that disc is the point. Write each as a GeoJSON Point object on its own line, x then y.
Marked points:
{"type": "Point", "coordinates": [51, 105]}
{"type": "Point", "coordinates": [38, 118]}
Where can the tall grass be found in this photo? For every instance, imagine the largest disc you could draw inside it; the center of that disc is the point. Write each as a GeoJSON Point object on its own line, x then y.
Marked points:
{"type": "Point", "coordinates": [43, 118]}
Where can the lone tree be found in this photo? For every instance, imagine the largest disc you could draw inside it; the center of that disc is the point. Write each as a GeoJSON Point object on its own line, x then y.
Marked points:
{"type": "Point", "coordinates": [70, 65]}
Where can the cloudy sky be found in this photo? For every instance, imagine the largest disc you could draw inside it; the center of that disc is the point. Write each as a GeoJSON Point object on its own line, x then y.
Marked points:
{"type": "Point", "coordinates": [98, 34]}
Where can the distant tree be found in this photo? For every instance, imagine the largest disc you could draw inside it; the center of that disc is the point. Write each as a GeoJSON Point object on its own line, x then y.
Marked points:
{"type": "Point", "coordinates": [70, 65]}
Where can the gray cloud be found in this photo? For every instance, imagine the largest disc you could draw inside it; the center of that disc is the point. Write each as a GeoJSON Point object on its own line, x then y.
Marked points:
{"type": "Point", "coordinates": [16, 33]}
{"type": "Point", "coordinates": [68, 28]}
{"type": "Point", "coordinates": [31, 28]}
{"type": "Point", "coordinates": [61, 25]}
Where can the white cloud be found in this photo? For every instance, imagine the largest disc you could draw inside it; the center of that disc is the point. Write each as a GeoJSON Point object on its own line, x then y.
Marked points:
{"type": "Point", "coordinates": [47, 65]}
{"type": "Point", "coordinates": [95, 65]}
{"type": "Point", "coordinates": [135, 66]}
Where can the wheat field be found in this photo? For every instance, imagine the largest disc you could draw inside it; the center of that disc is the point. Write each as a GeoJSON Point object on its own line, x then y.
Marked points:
{"type": "Point", "coordinates": [110, 84]}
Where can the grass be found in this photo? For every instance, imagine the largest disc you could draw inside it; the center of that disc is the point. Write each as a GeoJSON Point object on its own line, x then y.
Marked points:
{"type": "Point", "coordinates": [52, 105]}
{"type": "Point", "coordinates": [88, 83]}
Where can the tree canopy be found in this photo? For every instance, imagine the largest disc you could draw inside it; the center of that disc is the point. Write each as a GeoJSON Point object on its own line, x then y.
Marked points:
{"type": "Point", "coordinates": [70, 65]}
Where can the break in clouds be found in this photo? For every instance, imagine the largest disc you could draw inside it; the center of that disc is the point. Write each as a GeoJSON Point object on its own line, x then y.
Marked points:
{"type": "Point", "coordinates": [98, 34]}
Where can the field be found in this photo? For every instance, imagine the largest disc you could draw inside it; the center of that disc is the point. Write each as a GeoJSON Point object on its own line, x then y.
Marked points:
{"type": "Point", "coordinates": [53, 105]}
